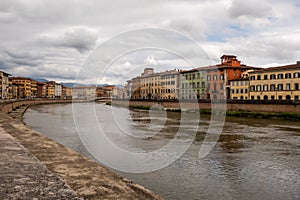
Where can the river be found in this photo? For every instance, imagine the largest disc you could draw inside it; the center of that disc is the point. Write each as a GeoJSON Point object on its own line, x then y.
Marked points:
{"type": "Point", "coordinates": [253, 158]}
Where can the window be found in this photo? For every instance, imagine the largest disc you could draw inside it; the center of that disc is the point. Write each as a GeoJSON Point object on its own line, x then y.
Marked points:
{"type": "Point", "coordinates": [208, 86]}
{"type": "Point", "coordinates": [232, 91]}
{"type": "Point", "coordinates": [280, 97]}
{"type": "Point", "coordinates": [215, 87]}
{"type": "Point", "coordinates": [258, 88]}
{"type": "Point", "coordinates": [221, 86]}
{"type": "Point", "coordinates": [198, 84]}
{"type": "Point", "coordinates": [288, 75]}
{"type": "Point", "coordinates": [272, 76]}
{"type": "Point", "coordinates": [252, 78]}
{"type": "Point", "coordinates": [194, 76]}
{"type": "Point", "coordinates": [258, 77]}
{"type": "Point", "coordinates": [237, 83]}
{"type": "Point", "coordinates": [215, 77]}
{"type": "Point", "coordinates": [258, 97]}
{"type": "Point", "coordinates": [296, 75]}
{"type": "Point", "coordinates": [265, 97]}
{"type": "Point", "coordinates": [296, 97]}
{"type": "Point", "coordinates": [242, 83]}
{"type": "Point", "coordinates": [272, 97]}
{"type": "Point", "coordinates": [288, 86]}
{"type": "Point", "coordinates": [272, 87]}
{"type": "Point", "coordinates": [242, 91]}
{"type": "Point", "coordinates": [222, 77]}
{"type": "Point", "coordinates": [296, 86]}
{"type": "Point", "coordinates": [237, 91]}
{"type": "Point", "coordinates": [280, 76]}
{"type": "Point", "coordinates": [246, 90]}
{"type": "Point", "coordinates": [266, 87]}
{"type": "Point", "coordinates": [265, 77]}
{"type": "Point", "coordinates": [252, 88]}
{"type": "Point", "coordinates": [232, 83]}
{"type": "Point", "coordinates": [208, 77]}
{"type": "Point", "coordinates": [280, 87]}
{"type": "Point", "coordinates": [252, 97]}
{"type": "Point", "coordinates": [288, 97]}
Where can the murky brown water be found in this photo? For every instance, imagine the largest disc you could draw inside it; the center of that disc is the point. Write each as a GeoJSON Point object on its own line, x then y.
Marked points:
{"type": "Point", "coordinates": [253, 159]}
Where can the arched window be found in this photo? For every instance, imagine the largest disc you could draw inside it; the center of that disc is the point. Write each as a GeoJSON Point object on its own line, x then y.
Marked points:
{"type": "Point", "coordinates": [280, 87]}
{"type": "Point", "coordinates": [258, 88]}
{"type": "Point", "coordinates": [272, 76]}
{"type": "Point", "coordinates": [272, 87]}
{"type": "Point", "coordinates": [265, 97]}
{"type": "Point", "coordinates": [296, 75]}
{"type": "Point", "coordinates": [288, 97]}
{"type": "Point", "coordinates": [280, 76]}
{"type": "Point", "coordinates": [252, 88]}
{"type": "Point", "coordinates": [266, 87]}
{"type": "Point", "coordinates": [288, 75]}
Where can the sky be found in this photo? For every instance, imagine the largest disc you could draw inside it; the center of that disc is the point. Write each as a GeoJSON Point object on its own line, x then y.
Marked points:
{"type": "Point", "coordinates": [111, 41]}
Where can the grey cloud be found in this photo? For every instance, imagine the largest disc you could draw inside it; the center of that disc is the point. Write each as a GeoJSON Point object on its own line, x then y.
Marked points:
{"type": "Point", "coordinates": [80, 38]}
{"type": "Point", "coordinates": [253, 8]}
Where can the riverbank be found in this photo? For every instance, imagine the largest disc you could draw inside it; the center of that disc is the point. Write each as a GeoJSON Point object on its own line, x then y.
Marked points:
{"type": "Point", "coordinates": [85, 177]}
{"type": "Point", "coordinates": [255, 110]}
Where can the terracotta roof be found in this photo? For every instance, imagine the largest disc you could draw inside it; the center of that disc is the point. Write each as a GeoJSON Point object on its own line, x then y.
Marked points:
{"type": "Point", "coordinates": [20, 78]}
{"type": "Point", "coordinates": [239, 79]}
{"type": "Point", "coordinates": [279, 68]}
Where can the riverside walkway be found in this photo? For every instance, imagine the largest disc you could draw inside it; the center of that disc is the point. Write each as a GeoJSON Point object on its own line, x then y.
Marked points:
{"type": "Point", "coordinates": [33, 166]}
{"type": "Point", "coordinates": [24, 176]}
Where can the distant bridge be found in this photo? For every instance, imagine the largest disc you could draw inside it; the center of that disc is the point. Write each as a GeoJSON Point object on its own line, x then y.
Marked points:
{"type": "Point", "coordinates": [103, 99]}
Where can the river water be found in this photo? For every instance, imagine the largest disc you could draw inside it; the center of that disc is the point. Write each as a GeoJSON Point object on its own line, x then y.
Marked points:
{"type": "Point", "coordinates": [253, 158]}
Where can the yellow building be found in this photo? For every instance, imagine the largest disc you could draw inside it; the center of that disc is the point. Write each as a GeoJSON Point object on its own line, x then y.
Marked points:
{"type": "Point", "coordinates": [150, 85]}
{"type": "Point", "coordinates": [276, 83]}
{"type": "Point", "coordinates": [146, 86]}
{"type": "Point", "coordinates": [27, 88]}
{"type": "Point", "coordinates": [50, 89]}
{"type": "Point", "coordinates": [169, 84]}
{"type": "Point", "coordinates": [239, 89]}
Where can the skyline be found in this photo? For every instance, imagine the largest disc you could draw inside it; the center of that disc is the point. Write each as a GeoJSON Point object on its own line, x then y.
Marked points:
{"type": "Point", "coordinates": [40, 39]}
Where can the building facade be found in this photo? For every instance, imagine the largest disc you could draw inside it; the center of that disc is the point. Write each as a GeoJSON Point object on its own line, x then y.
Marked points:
{"type": "Point", "coordinates": [4, 85]}
{"type": "Point", "coordinates": [193, 84]}
{"type": "Point", "coordinates": [169, 84]}
{"type": "Point", "coordinates": [276, 83]}
{"type": "Point", "coordinates": [219, 76]}
{"type": "Point", "coordinates": [25, 87]}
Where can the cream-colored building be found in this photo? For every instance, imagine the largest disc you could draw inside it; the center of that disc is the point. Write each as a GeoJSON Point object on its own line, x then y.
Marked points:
{"type": "Point", "coordinates": [84, 93]}
{"type": "Point", "coordinates": [275, 83]}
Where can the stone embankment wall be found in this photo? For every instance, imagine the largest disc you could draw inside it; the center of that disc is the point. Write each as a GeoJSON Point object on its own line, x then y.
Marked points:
{"type": "Point", "coordinates": [251, 106]}
{"type": "Point", "coordinates": [9, 106]}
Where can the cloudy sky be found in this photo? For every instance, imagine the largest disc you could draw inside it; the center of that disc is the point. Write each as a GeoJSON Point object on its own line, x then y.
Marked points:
{"type": "Point", "coordinates": [55, 40]}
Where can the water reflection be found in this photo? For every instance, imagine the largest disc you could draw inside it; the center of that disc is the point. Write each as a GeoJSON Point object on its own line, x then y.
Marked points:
{"type": "Point", "coordinates": [253, 159]}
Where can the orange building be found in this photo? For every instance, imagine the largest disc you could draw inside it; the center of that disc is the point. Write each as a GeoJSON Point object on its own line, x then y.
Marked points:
{"type": "Point", "coordinates": [219, 76]}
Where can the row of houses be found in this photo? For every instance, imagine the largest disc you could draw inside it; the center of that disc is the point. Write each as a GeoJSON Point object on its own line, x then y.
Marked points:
{"type": "Point", "coordinates": [228, 80]}
{"type": "Point", "coordinates": [26, 88]}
